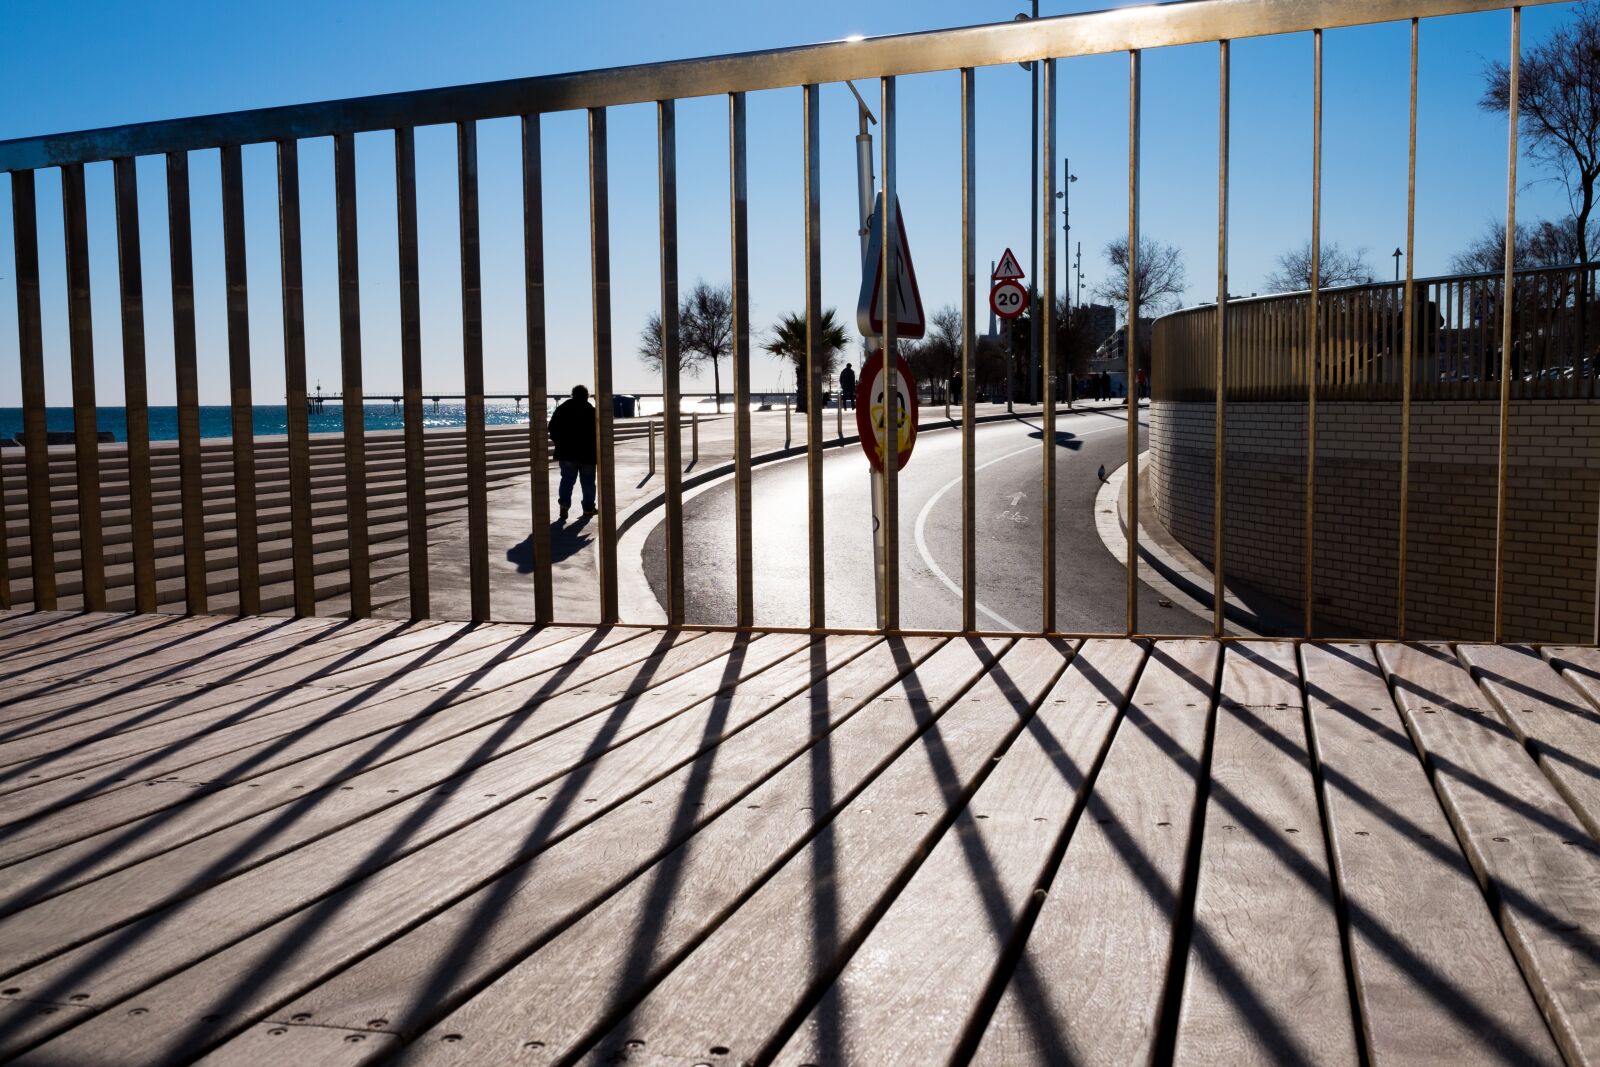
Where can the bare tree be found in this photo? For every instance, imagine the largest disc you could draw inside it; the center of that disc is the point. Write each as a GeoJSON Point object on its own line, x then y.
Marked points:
{"type": "Point", "coordinates": [1542, 244]}
{"type": "Point", "coordinates": [705, 334]}
{"type": "Point", "coordinates": [706, 328]}
{"type": "Point", "coordinates": [788, 341]}
{"type": "Point", "coordinates": [940, 352]}
{"type": "Point", "coordinates": [1559, 104]}
{"type": "Point", "coordinates": [1161, 280]}
{"type": "Point", "coordinates": [1337, 266]}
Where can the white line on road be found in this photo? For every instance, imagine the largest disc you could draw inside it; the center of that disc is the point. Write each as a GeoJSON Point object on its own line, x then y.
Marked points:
{"type": "Point", "coordinates": [922, 522]}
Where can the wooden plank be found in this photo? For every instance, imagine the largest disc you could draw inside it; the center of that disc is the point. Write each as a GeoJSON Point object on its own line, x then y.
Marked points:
{"type": "Point", "coordinates": [1434, 984]}
{"type": "Point", "coordinates": [1265, 981]}
{"type": "Point", "coordinates": [116, 721]}
{"type": "Point", "coordinates": [1523, 841]}
{"type": "Point", "coordinates": [937, 951]}
{"type": "Point", "coordinates": [1090, 983]}
{"type": "Point", "coordinates": [120, 828]}
{"type": "Point", "coordinates": [801, 924]}
{"type": "Point", "coordinates": [305, 728]}
{"type": "Point", "coordinates": [350, 374]}
{"type": "Point", "coordinates": [577, 872]}
{"type": "Point", "coordinates": [1555, 720]}
{"type": "Point", "coordinates": [132, 891]}
{"type": "Point", "coordinates": [692, 768]}
{"type": "Point", "coordinates": [104, 710]}
{"type": "Point", "coordinates": [290, 892]}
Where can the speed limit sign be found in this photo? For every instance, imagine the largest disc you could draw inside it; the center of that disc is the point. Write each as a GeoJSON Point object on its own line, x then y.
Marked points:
{"type": "Point", "coordinates": [1008, 299]}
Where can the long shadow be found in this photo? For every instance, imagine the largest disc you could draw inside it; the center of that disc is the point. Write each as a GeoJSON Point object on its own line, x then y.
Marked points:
{"type": "Point", "coordinates": [122, 771]}
{"type": "Point", "coordinates": [299, 932]}
{"type": "Point", "coordinates": [71, 680]}
{"type": "Point", "coordinates": [566, 541]}
{"type": "Point", "coordinates": [33, 646]}
{"type": "Point", "coordinates": [296, 809]}
{"type": "Point", "coordinates": [244, 669]}
{"type": "Point", "coordinates": [140, 930]}
{"type": "Point", "coordinates": [1013, 930]}
{"type": "Point", "coordinates": [261, 755]}
{"type": "Point", "coordinates": [1458, 1002]}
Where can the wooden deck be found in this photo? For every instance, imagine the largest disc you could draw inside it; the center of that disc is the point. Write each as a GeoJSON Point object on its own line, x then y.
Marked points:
{"type": "Point", "coordinates": [322, 842]}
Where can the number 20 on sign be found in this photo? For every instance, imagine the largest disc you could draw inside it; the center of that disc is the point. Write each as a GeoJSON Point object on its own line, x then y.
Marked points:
{"type": "Point", "coordinates": [1008, 299]}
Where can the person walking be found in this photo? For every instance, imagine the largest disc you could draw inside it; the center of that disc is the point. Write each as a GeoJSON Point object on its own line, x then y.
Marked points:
{"type": "Point", "coordinates": [572, 432]}
{"type": "Point", "coordinates": [847, 386]}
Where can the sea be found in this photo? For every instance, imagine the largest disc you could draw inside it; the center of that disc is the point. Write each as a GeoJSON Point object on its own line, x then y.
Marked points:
{"type": "Point", "coordinates": [272, 420]}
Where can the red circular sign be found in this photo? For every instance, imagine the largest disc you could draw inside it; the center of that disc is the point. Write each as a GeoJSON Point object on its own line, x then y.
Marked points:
{"type": "Point", "coordinates": [1008, 299]}
{"type": "Point", "coordinates": [870, 410]}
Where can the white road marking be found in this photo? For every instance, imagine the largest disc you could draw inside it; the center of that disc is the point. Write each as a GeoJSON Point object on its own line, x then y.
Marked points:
{"type": "Point", "coordinates": [922, 522]}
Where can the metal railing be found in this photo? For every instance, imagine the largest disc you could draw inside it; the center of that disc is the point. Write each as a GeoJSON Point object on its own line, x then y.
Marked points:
{"type": "Point", "coordinates": [1361, 337]}
{"type": "Point", "coordinates": [1127, 30]}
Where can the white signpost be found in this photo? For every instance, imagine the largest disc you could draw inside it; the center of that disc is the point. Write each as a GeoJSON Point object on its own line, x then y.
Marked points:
{"type": "Point", "coordinates": [909, 321]}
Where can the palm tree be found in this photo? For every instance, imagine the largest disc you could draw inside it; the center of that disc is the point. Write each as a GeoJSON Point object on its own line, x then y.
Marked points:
{"type": "Point", "coordinates": [788, 341]}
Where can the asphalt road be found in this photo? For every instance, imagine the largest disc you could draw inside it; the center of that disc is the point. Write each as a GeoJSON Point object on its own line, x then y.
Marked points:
{"type": "Point", "coordinates": [1091, 591]}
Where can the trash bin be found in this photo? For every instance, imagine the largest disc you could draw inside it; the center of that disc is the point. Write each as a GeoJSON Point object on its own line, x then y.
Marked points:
{"type": "Point", "coordinates": [623, 407]}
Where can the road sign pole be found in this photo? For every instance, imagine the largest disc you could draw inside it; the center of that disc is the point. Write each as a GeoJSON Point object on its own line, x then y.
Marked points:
{"type": "Point", "coordinates": [866, 188]}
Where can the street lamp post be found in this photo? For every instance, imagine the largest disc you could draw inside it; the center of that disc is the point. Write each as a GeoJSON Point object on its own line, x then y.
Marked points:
{"type": "Point", "coordinates": [1065, 196]}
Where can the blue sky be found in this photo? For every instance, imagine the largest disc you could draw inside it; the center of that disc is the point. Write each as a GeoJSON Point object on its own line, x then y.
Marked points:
{"type": "Point", "coordinates": [69, 66]}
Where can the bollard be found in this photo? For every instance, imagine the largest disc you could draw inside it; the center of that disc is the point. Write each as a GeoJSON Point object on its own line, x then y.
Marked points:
{"type": "Point", "coordinates": [838, 419]}
{"type": "Point", "coordinates": [787, 424]}
{"type": "Point", "coordinates": [652, 473]}
{"type": "Point", "coordinates": [694, 439]}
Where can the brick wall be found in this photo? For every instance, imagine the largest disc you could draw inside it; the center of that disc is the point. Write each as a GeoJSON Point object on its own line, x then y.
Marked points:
{"type": "Point", "coordinates": [1551, 511]}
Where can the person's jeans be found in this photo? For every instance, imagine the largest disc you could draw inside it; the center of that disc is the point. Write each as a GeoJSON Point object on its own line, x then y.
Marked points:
{"type": "Point", "coordinates": [572, 472]}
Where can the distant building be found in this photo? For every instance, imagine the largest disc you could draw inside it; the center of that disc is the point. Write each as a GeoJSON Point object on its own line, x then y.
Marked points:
{"type": "Point", "coordinates": [1112, 354]}
{"type": "Point", "coordinates": [1099, 322]}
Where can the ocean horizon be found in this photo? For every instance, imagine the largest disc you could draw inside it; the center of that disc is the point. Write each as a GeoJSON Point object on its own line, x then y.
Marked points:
{"type": "Point", "coordinates": [267, 420]}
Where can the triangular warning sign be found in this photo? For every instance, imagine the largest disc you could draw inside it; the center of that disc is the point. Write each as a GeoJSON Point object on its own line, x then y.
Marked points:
{"type": "Point", "coordinates": [1009, 268]}
{"type": "Point", "coordinates": [909, 320]}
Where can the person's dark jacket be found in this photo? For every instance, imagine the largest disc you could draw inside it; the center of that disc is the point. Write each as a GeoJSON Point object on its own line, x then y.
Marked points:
{"type": "Point", "coordinates": [572, 431]}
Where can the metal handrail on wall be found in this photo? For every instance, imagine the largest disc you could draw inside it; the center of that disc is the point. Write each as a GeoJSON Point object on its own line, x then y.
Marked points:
{"type": "Point", "coordinates": [1361, 339]}
{"type": "Point", "coordinates": [804, 69]}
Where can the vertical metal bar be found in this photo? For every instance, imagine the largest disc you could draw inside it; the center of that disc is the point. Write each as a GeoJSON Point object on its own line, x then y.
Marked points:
{"type": "Point", "coordinates": [472, 370]}
{"type": "Point", "coordinates": [1132, 346]}
{"type": "Point", "coordinates": [969, 351]}
{"type": "Point", "coordinates": [815, 358]}
{"type": "Point", "coordinates": [600, 261]}
{"type": "Point", "coordinates": [671, 354]}
{"type": "Point", "coordinates": [1313, 353]}
{"type": "Point", "coordinates": [538, 377]}
{"type": "Point", "coordinates": [889, 235]}
{"type": "Point", "coordinates": [294, 377]}
{"type": "Point", "coordinates": [740, 243]}
{"type": "Point", "coordinates": [1409, 319]}
{"type": "Point", "coordinates": [30, 344]}
{"type": "Point", "coordinates": [187, 381]}
{"type": "Point", "coordinates": [355, 429]}
{"type": "Point", "coordinates": [1219, 456]}
{"type": "Point", "coordinates": [1048, 354]}
{"type": "Point", "coordinates": [135, 393]}
{"type": "Point", "coordinates": [241, 404]}
{"type": "Point", "coordinates": [405, 161]}
{"type": "Point", "coordinates": [1506, 316]}
{"type": "Point", "coordinates": [86, 442]}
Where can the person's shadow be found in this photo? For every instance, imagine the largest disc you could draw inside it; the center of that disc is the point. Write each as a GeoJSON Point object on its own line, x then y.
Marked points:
{"type": "Point", "coordinates": [566, 539]}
